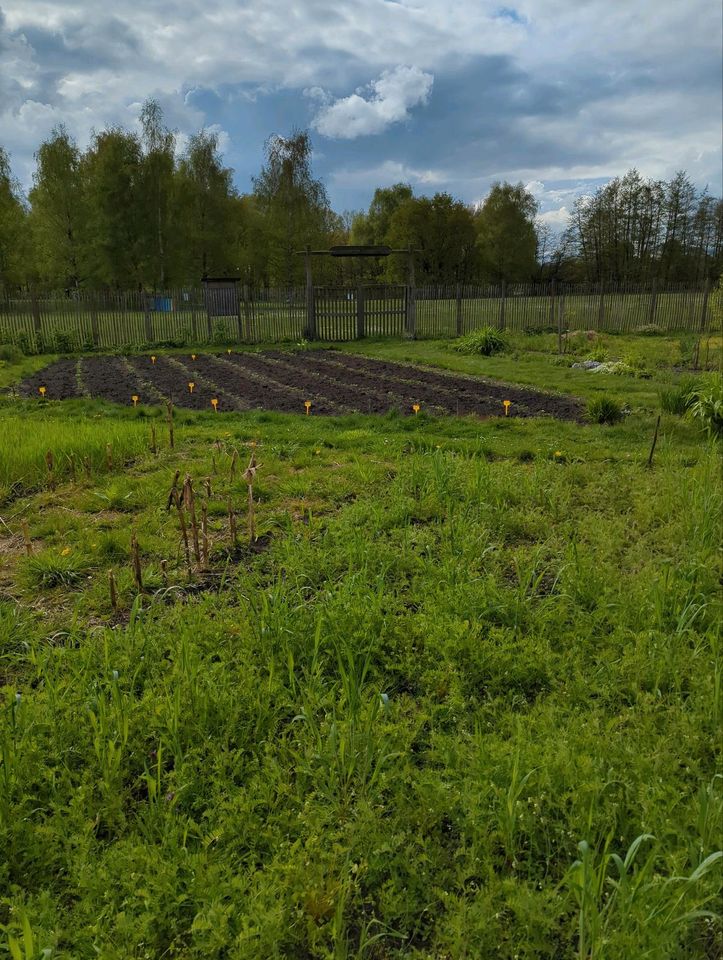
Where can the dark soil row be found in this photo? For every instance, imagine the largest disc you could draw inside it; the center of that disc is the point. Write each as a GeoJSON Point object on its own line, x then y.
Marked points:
{"type": "Point", "coordinates": [334, 382]}
{"type": "Point", "coordinates": [258, 391]}
{"type": "Point", "coordinates": [59, 380]}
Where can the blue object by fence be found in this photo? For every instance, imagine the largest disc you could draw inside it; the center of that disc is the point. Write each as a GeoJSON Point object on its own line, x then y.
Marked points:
{"type": "Point", "coordinates": [163, 304]}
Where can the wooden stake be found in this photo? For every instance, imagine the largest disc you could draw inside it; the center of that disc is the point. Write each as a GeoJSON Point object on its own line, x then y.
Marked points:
{"type": "Point", "coordinates": [655, 440]}
{"type": "Point", "coordinates": [136, 558]}
{"type": "Point", "coordinates": [189, 501]}
{"type": "Point", "coordinates": [164, 572]}
{"type": "Point", "coordinates": [173, 492]}
{"type": "Point", "coordinates": [207, 485]}
{"type": "Point", "coordinates": [26, 538]}
{"type": "Point", "coordinates": [204, 535]}
{"type": "Point", "coordinates": [113, 591]}
{"type": "Point", "coordinates": [232, 524]}
{"type": "Point", "coordinates": [169, 408]}
{"type": "Point", "coordinates": [249, 475]}
{"type": "Point", "coordinates": [154, 446]}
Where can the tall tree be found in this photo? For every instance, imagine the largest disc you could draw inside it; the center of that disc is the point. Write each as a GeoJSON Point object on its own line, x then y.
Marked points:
{"type": "Point", "coordinates": [294, 205]}
{"type": "Point", "coordinates": [58, 217]}
{"type": "Point", "coordinates": [205, 193]}
{"type": "Point", "coordinates": [112, 170]}
{"type": "Point", "coordinates": [157, 185]}
{"type": "Point", "coordinates": [13, 224]}
{"type": "Point", "coordinates": [442, 232]}
{"type": "Point", "coordinates": [506, 233]}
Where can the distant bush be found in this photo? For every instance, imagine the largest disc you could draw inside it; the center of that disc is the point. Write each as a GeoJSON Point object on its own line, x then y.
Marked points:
{"type": "Point", "coordinates": [678, 399]}
{"type": "Point", "coordinates": [707, 405]}
{"type": "Point", "coordinates": [604, 410]}
{"type": "Point", "coordinates": [483, 342]}
{"type": "Point", "coordinates": [649, 330]}
{"type": "Point", "coordinates": [10, 353]}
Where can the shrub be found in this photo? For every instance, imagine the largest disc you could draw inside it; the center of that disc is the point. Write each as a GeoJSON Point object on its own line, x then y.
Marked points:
{"type": "Point", "coordinates": [679, 399]}
{"type": "Point", "coordinates": [52, 568]}
{"type": "Point", "coordinates": [649, 330]}
{"type": "Point", "coordinates": [10, 353]}
{"type": "Point", "coordinates": [707, 405]}
{"type": "Point", "coordinates": [604, 410]}
{"type": "Point", "coordinates": [483, 342]}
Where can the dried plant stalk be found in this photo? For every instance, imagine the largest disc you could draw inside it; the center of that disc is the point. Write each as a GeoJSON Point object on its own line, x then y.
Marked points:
{"type": "Point", "coordinates": [204, 535]}
{"type": "Point", "coordinates": [189, 502]}
{"type": "Point", "coordinates": [26, 538]}
{"type": "Point", "coordinates": [112, 589]}
{"type": "Point", "coordinates": [136, 558]}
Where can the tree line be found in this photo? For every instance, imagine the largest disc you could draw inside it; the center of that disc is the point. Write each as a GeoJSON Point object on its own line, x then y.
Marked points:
{"type": "Point", "coordinates": [133, 211]}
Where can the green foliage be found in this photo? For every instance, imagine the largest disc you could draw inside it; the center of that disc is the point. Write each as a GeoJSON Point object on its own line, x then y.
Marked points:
{"type": "Point", "coordinates": [678, 399]}
{"type": "Point", "coordinates": [55, 568]}
{"type": "Point", "coordinates": [706, 406]}
{"type": "Point", "coordinates": [485, 342]}
{"type": "Point", "coordinates": [10, 353]}
{"type": "Point", "coordinates": [507, 239]}
{"type": "Point", "coordinates": [468, 647]}
{"type": "Point", "coordinates": [604, 410]}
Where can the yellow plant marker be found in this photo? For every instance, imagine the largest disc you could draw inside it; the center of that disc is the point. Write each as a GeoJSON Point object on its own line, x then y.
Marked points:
{"type": "Point", "coordinates": [506, 405]}
{"type": "Point", "coordinates": [307, 404]}
{"type": "Point", "coordinates": [153, 359]}
{"type": "Point", "coordinates": [214, 404]}
{"type": "Point", "coordinates": [229, 351]}
{"type": "Point", "coordinates": [191, 385]}
{"type": "Point", "coordinates": [193, 356]}
{"type": "Point", "coordinates": [416, 408]}
{"type": "Point", "coordinates": [135, 399]}
{"type": "Point", "coordinates": [41, 391]}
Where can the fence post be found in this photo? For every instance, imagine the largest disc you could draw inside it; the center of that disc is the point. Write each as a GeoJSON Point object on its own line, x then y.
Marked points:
{"type": "Point", "coordinates": [37, 324]}
{"type": "Point", "coordinates": [502, 306]}
{"type": "Point", "coordinates": [601, 307]}
{"type": "Point", "coordinates": [458, 324]}
{"type": "Point", "coordinates": [209, 322]}
{"type": "Point", "coordinates": [147, 319]}
{"type": "Point", "coordinates": [360, 331]}
{"type": "Point", "coordinates": [411, 298]}
{"type": "Point", "coordinates": [653, 301]}
{"type": "Point", "coordinates": [94, 321]}
{"type": "Point", "coordinates": [560, 313]}
{"type": "Point", "coordinates": [310, 305]}
{"type": "Point", "coordinates": [552, 302]}
{"type": "Point", "coordinates": [704, 307]}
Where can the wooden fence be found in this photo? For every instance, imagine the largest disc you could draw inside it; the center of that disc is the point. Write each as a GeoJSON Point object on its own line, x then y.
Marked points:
{"type": "Point", "coordinates": [87, 320]}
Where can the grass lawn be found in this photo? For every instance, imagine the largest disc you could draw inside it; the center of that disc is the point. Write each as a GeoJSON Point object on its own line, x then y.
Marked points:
{"type": "Point", "coordinates": [461, 696]}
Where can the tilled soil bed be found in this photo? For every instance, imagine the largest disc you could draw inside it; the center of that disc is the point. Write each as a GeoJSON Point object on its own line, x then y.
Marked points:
{"type": "Point", "coordinates": [334, 382]}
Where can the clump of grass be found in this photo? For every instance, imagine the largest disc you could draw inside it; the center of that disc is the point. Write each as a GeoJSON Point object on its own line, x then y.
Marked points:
{"type": "Point", "coordinates": [679, 399]}
{"type": "Point", "coordinates": [55, 568]}
{"type": "Point", "coordinates": [706, 406]}
{"type": "Point", "coordinates": [10, 353]}
{"type": "Point", "coordinates": [604, 410]}
{"type": "Point", "coordinates": [483, 342]}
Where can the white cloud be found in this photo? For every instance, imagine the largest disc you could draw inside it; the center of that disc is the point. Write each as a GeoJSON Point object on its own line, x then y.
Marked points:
{"type": "Point", "coordinates": [391, 98]}
{"type": "Point", "coordinates": [387, 173]}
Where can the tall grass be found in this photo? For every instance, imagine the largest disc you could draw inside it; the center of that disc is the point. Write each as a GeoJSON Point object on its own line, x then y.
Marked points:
{"type": "Point", "coordinates": [77, 445]}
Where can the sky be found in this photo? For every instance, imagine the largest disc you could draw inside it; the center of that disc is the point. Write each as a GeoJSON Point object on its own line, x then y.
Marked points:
{"type": "Point", "coordinates": [447, 95]}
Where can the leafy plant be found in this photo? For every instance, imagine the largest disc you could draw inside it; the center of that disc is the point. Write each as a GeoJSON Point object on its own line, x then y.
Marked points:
{"type": "Point", "coordinates": [706, 406]}
{"type": "Point", "coordinates": [679, 399]}
{"type": "Point", "coordinates": [484, 342]}
{"type": "Point", "coordinates": [604, 410]}
{"type": "Point", "coordinates": [55, 568]}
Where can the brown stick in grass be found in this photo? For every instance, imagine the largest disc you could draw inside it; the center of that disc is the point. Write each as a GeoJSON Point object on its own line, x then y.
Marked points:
{"type": "Point", "coordinates": [204, 535]}
{"type": "Point", "coordinates": [655, 440]}
{"type": "Point", "coordinates": [189, 501]}
{"type": "Point", "coordinates": [112, 589]}
{"type": "Point", "coordinates": [154, 445]}
{"type": "Point", "coordinates": [136, 558]}
{"type": "Point", "coordinates": [249, 476]}
{"type": "Point", "coordinates": [169, 416]}
{"type": "Point", "coordinates": [173, 492]}
{"type": "Point", "coordinates": [26, 538]}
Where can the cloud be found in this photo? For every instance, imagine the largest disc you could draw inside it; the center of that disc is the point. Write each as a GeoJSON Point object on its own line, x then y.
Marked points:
{"type": "Point", "coordinates": [391, 98]}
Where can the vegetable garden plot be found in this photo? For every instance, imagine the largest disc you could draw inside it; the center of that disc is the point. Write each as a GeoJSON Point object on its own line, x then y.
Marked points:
{"type": "Point", "coordinates": [332, 382]}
